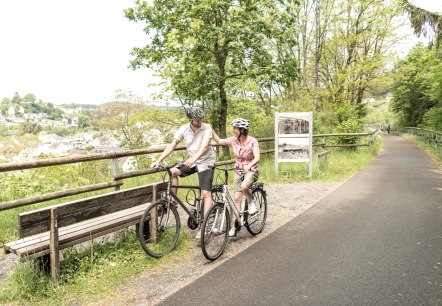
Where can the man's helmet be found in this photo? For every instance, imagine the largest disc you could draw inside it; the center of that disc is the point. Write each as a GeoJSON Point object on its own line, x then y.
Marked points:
{"type": "Point", "coordinates": [193, 112]}
{"type": "Point", "coordinates": [241, 123]}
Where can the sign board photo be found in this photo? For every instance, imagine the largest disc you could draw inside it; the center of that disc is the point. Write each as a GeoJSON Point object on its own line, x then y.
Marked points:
{"type": "Point", "coordinates": [293, 138]}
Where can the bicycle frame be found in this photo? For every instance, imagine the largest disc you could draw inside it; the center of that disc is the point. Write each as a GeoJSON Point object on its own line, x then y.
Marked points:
{"type": "Point", "coordinates": [228, 200]}
{"type": "Point", "coordinates": [170, 193]}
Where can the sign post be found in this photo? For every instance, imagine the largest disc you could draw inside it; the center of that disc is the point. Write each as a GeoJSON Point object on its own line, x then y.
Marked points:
{"type": "Point", "coordinates": [293, 138]}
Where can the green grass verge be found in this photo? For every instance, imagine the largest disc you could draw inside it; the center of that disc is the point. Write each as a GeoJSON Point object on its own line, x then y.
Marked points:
{"type": "Point", "coordinates": [340, 164]}
{"type": "Point", "coordinates": [93, 273]}
{"type": "Point", "coordinates": [87, 275]}
{"type": "Point", "coordinates": [430, 148]}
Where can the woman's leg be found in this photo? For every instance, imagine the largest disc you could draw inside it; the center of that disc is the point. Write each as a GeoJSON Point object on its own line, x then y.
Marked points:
{"type": "Point", "coordinates": [245, 189]}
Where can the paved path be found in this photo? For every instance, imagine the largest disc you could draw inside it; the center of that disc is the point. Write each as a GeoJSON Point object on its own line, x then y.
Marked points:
{"type": "Point", "coordinates": [376, 240]}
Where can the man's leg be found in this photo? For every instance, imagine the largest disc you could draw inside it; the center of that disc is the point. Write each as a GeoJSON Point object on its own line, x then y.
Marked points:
{"type": "Point", "coordinates": [207, 195]}
{"type": "Point", "coordinates": [175, 173]}
{"type": "Point", "coordinates": [205, 179]}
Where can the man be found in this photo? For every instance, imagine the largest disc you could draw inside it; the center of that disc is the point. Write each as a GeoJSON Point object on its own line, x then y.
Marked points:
{"type": "Point", "coordinates": [197, 137]}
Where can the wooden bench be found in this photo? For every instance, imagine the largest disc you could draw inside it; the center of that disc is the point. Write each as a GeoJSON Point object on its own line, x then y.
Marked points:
{"type": "Point", "coordinates": [48, 230]}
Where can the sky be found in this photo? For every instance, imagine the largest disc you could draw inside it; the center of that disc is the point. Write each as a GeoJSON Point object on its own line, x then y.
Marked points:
{"type": "Point", "coordinates": [70, 51]}
{"type": "Point", "coordinates": [77, 51]}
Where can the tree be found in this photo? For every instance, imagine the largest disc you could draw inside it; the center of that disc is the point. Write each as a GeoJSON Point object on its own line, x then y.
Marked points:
{"type": "Point", "coordinates": [16, 99]}
{"type": "Point", "coordinates": [208, 49]}
{"type": "Point", "coordinates": [417, 88]}
{"type": "Point", "coordinates": [345, 45]}
{"type": "Point", "coordinates": [133, 119]}
{"type": "Point", "coordinates": [29, 98]}
{"type": "Point", "coordinates": [424, 22]}
{"type": "Point", "coordinates": [29, 127]}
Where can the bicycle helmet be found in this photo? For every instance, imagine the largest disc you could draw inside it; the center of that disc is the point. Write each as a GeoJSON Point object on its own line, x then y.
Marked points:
{"type": "Point", "coordinates": [193, 112]}
{"type": "Point", "coordinates": [241, 123]}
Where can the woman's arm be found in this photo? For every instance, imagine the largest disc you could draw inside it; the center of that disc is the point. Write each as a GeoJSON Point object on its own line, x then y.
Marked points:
{"type": "Point", "coordinates": [218, 140]}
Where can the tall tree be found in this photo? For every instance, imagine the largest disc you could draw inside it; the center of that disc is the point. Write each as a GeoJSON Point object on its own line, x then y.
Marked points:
{"type": "Point", "coordinates": [360, 44]}
{"type": "Point", "coordinates": [417, 88]}
{"type": "Point", "coordinates": [205, 48]}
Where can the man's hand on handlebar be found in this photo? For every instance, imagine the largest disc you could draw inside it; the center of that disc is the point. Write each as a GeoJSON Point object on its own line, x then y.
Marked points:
{"type": "Point", "coordinates": [155, 165]}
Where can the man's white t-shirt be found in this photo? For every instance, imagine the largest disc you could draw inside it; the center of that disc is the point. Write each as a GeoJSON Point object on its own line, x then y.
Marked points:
{"type": "Point", "coordinates": [193, 141]}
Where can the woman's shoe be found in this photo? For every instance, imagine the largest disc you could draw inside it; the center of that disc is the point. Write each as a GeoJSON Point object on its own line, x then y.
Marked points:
{"type": "Point", "coordinates": [232, 232]}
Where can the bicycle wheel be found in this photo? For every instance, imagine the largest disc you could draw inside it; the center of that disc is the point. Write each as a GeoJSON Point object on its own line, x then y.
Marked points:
{"type": "Point", "coordinates": [255, 223]}
{"type": "Point", "coordinates": [160, 238]}
{"type": "Point", "coordinates": [214, 235]}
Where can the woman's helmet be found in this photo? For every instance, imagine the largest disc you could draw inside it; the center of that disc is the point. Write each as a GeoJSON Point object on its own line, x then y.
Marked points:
{"type": "Point", "coordinates": [193, 112]}
{"type": "Point", "coordinates": [241, 123]}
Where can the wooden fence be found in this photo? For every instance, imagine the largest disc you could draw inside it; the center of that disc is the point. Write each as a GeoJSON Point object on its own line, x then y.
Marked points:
{"type": "Point", "coordinates": [434, 138]}
{"type": "Point", "coordinates": [118, 177]}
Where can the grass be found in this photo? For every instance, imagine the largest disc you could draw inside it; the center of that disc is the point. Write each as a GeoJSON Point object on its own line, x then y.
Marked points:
{"type": "Point", "coordinates": [341, 164]}
{"type": "Point", "coordinates": [92, 273]}
{"type": "Point", "coordinates": [430, 148]}
{"type": "Point", "coordinates": [88, 274]}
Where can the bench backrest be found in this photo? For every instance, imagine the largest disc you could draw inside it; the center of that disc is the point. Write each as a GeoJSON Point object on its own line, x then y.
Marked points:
{"type": "Point", "coordinates": [39, 221]}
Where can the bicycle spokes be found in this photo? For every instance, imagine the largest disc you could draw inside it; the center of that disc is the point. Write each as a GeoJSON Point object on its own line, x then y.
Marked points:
{"type": "Point", "coordinates": [215, 229]}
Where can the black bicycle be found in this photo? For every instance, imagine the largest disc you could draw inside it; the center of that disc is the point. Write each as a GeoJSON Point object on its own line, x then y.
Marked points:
{"type": "Point", "coordinates": [159, 227]}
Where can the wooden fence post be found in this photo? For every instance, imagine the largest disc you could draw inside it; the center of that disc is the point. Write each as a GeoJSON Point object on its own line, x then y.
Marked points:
{"type": "Point", "coordinates": [116, 171]}
{"type": "Point", "coordinates": [54, 251]}
{"type": "Point", "coordinates": [154, 216]}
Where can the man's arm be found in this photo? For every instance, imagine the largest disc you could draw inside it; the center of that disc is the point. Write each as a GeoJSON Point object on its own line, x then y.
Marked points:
{"type": "Point", "coordinates": [169, 149]}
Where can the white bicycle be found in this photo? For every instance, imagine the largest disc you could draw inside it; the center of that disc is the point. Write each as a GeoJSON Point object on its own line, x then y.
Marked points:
{"type": "Point", "coordinates": [216, 225]}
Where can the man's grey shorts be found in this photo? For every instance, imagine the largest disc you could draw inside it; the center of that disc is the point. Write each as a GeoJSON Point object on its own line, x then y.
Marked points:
{"type": "Point", "coordinates": [239, 178]}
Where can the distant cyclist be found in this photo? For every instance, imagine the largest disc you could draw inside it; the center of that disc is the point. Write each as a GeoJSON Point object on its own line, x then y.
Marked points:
{"type": "Point", "coordinates": [247, 154]}
{"type": "Point", "coordinates": [197, 137]}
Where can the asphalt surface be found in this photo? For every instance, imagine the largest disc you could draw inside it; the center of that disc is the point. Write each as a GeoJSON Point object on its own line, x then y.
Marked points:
{"type": "Point", "coordinates": [376, 240]}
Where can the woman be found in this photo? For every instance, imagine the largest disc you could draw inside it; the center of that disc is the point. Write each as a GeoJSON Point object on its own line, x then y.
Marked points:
{"type": "Point", "coordinates": [246, 151]}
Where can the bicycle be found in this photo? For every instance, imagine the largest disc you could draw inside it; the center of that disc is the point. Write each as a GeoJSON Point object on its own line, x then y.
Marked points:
{"type": "Point", "coordinates": [160, 224]}
{"type": "Point", "coordinates": [215, 227]}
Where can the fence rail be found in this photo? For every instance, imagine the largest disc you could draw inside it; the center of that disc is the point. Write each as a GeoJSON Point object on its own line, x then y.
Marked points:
{"type": "Point", "coordinates": [432, 137]}
{"type": "Point", "coordinates": [119, 177]}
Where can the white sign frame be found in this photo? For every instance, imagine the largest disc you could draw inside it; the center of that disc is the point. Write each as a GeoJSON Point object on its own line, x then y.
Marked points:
{"type": "Point", "coordinates": [293, 138]}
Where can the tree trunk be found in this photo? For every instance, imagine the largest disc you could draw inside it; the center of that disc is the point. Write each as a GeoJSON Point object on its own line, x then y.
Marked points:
{"type": "Point", "coordinates": [220, 56]}
{"type": "Point", "coordinates": [223, 116]}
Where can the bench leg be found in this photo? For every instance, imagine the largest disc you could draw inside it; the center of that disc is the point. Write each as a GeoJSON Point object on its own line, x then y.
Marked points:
{"type": "Point", "coordinates": [54, 251]}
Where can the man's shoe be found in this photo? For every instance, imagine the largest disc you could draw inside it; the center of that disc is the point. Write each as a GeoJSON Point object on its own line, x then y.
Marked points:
{"type": "Point", "coordinates": [198, 234]}
{"type": "Point", "coordinates": [252, 209]}
{"type": "Point", "coordinates": [232, 232]}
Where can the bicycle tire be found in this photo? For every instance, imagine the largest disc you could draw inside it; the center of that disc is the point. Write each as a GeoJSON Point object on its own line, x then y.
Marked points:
{"type": "Point", "coordinates": [215, 230]}
{"type": "Point", "coordinates": [255, 223]}
{"type": "Point", "coordinates": [167, 229]}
